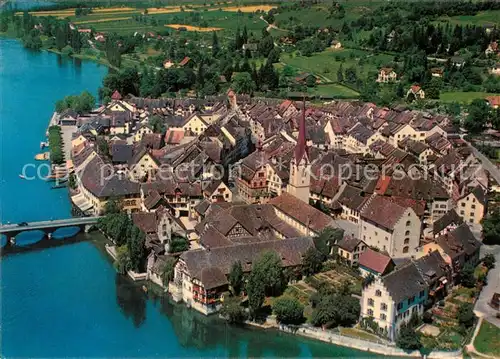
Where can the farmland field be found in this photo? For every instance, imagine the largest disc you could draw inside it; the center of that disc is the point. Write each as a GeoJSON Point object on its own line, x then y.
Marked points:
{"type": "Point", "coordinates": [193, 28]}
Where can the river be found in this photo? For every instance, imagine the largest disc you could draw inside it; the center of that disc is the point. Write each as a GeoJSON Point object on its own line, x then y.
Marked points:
{"type": "Point", "coordinates": [68, 300]}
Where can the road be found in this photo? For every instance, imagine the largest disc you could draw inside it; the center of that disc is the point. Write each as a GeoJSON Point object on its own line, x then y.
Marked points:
{"type": "Point", "coordinates": [482, 308]}
{"type": "Point", "coordinates": [487, 164]}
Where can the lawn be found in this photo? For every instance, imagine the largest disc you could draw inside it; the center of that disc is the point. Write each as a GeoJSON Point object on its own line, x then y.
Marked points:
{"type": "Point", "coordinates": [325, 64]}
{"type": "Point", "coordinates": [334, 91]}
{"type": "Point", "coordinates": [488, 339]}
{"type": "Point", "coordinates": [463, 97]}
{"type": "Point", "coordinates": [360, 334]}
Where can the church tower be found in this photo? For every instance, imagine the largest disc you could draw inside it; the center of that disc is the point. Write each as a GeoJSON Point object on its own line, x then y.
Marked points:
{"type": "Point", "coordinates": [300, 167]}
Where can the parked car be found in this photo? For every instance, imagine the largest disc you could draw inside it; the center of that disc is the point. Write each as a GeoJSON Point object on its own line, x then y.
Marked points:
{"type": "Point", "coordinates": [22, 224]}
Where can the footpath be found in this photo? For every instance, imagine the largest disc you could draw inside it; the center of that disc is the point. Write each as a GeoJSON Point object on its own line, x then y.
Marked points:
{"type": "Point", "coordinates": [354, 343]}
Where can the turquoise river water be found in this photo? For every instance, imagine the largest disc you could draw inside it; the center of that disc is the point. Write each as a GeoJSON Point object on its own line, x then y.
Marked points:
{"type": "Point", "coordinates": [67, 300]}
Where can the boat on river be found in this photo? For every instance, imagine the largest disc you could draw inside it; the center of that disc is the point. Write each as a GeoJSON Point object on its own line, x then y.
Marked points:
{"type": "Point", "coordinates": [22, 176]}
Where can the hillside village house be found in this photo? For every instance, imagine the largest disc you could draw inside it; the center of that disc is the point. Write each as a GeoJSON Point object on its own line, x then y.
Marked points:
{"type": "Point", "coordinates": [392, 299]}
{"type": "Point", "coordinates": [493, 101]}
{"type": "Point", "coordinates": [472, 206]}
{"type": "Point", "coordinates": [387, 74]}
{"type": "Point", "coordinates": [437, 72]}
{"type": "Point", "coordinates": [390, 227]}
{"type": "Point", "coordinates": [200, 276]}
{"type": "Point", "coordinates": [415, 91]}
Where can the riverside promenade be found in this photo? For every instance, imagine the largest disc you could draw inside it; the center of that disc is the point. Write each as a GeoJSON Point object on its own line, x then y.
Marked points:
{"type": "Point", "coordinates": [354, 343]}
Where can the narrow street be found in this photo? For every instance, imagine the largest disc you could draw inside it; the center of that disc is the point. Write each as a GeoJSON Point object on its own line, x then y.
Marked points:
{"type": "Point", "coordinates": [488, 165]}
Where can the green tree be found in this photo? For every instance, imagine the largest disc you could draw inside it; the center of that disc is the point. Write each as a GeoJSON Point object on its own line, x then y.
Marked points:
{"type": "Point", "coordinates": [178, 244]}
{"type": "Point", "coordinates": [268, 269]}
{"type": "Point", "coordinates": [215, 44]}
{"type": "Point", "coordinates": [491, 227]}
{"type": "Point", "coordinates": [116, 226]}
{"type": "Point", "coordinates": [312, 262]}
{"type": "Point", "coordinates": [340, 74]}
{"type": "Point", "coordinates": [76, 41]}
{"type": "Point", "coordinates": [122, 263]}
{"type": "Point", "coordinates": [236, 277]}
{"type": "Point", "coordinates": [466, 276]}
{"type": "Point", "coordinates": [256, 293]}
{"type": "Point", "coordinates": [327, 238]}
{"type": "Point", "coordinates": [288, 310]}
{"type": "Point", "coordinates": [335, 307]}
{"type": "Point", "coordinates": [113, 205]}
{"type": "Point", "coordinates": [135, 245]}
{"type": "Point", "coordinates": [61, 40]}
{"type": "Point", "coordinates": [243, 83]}
{"type": "Point", "coordinates": [265, 45]}
{"type": "Point", "coordinates": [167, 270]}
{"type": "Point", "coordinates": [157, 123]}
{"type": "Point", "coordinates": [408, 338]}
{"type": "Point", "coordinates": [466, 316]}
{"type": "Point", "coordinates": [478, 117]}
{"type": "Point", "coordinates": [233, 311]}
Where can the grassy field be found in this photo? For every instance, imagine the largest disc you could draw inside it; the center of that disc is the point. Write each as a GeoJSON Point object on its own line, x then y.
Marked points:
{"type": "Point", "coordinates": [335, 90]}
{"type": "Point", "coordinates": [463, 97]}
{"type": "Point", "coordinates": [325, 64]}
{"type": "Point", "coordinates": [488, 339]}
{"type": "Point", "coordinates": [491, 17]}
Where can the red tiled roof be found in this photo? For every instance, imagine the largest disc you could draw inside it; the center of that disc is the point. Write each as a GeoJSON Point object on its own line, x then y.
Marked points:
{"type": "Point", "coordinates": [382, 184]}
{"type": "Point", "coordinates": [415, 88]}
{"type": "Point", "coordinates": [493, 100]}
{"type": "Point", "coordinates": [184, 61]}
{"type": "Point", "coordinates": [374, 260]}
{"type": "Point", "coordinates": [116, 96]}
{"type": "Point", "coordinates": [174, 137]}
{"type": "Point", "coordinates": [383, 212]}
{"type": "Point", "coordinates": [301, 211]}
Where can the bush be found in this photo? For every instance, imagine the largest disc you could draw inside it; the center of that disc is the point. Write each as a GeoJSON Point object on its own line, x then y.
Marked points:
{"type": "Point", "coordinates": [466, 316]}
{"type": "Point", "coordinates": [489, 261]}
{"type": "Point", "coordinates": [408, 338]}
{"type": "Point", "coordinates": [232, 311]}
{"type": "Point", "coordinates": [55, 145]}
{"type": "Point", "coordinates": [427, 318]}
{"type": "Point", "coordinates": [288, 310]}
{"type": "Point", "coordinates": [178, 244]}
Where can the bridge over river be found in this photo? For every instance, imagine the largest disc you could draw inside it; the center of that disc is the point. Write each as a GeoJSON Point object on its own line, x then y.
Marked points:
{"type": "Point", "coordinates": [48, 227]}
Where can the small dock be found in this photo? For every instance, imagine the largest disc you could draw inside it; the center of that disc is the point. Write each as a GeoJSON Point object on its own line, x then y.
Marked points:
{"type": "Point", "coordinates": [43, 156]}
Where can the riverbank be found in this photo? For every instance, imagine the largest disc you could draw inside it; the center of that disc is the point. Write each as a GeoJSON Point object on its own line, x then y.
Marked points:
{"type": "Point", "coordinates": [349, 342]}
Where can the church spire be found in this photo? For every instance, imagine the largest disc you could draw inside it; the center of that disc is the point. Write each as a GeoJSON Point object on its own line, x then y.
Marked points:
{"type": "Point", "coordinates": [300, 148]}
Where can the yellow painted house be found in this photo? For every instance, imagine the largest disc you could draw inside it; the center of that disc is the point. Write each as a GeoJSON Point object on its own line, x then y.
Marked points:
{"type": "Point", "coordinates": [195, 124]}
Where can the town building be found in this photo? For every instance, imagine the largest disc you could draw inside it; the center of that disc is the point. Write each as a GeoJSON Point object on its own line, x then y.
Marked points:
{"type": "Point", "coordinates": [391, 300]}
{"type": "Point", "coordinates": [200, 276]}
